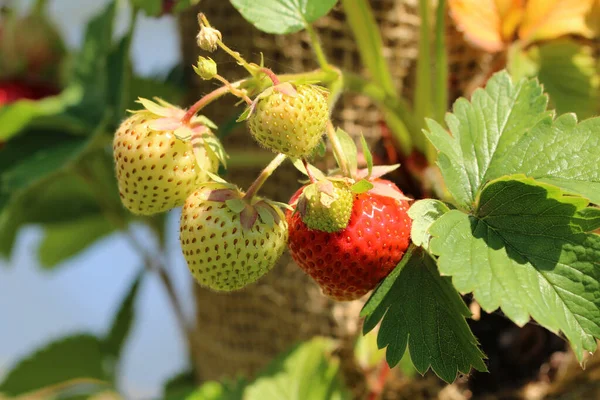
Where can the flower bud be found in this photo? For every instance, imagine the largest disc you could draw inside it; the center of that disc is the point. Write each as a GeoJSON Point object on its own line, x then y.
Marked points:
{"type": "Point", "coordinates": [206, 68]}
{"type": "Point", "coordinates": [208, 38]}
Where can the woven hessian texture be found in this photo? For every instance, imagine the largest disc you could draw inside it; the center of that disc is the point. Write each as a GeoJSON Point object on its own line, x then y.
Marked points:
{"type": "Point", "coordinates": [242, 331]}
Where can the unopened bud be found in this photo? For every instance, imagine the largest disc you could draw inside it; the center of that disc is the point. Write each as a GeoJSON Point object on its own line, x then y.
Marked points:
{"type": "Point", "coordinates": [206, 68]}
{"type": "Point", "coordinates": [208, 38]}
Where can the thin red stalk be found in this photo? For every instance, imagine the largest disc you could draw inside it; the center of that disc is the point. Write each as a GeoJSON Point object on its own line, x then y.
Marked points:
{"type": "Point", "coordinates": [203, 102]}
{"type": "Point", "coordinates": [271, 75]}
{"type": "Point", "coordinates": [310, 175]}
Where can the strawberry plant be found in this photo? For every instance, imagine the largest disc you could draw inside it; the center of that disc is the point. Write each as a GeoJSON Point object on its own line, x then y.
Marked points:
{"type": "Point", "coordinates": [503, 205]}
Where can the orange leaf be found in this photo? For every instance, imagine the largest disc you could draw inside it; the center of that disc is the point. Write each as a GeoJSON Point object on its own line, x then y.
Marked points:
{"type": "Point", "coordinates": [489, 24]}
{"type": "Point", "coordinates": [511, 13]}
{"type": "Point", "coordinates": [549, 19]}
{"type": "Point", "coordinates": [479, 20]}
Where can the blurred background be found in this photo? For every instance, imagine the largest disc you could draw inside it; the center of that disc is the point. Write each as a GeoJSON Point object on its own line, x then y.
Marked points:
{"type": "Point", "coordinates": [82, 294]}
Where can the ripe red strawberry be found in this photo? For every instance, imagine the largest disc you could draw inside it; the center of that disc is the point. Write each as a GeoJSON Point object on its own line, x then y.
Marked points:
{"type": "Point", "coordinates": [167, 7]}
{"type": "Point", "coordinates": [349, 263]}
{"type": "Point", "coordinates": [14, 90]}
{"type": "Point", "coordinates": [288, 119]}
{"type": "Point", "coordinates": [229, 242]}
{"type": "Point", "coordinates": [156, 169]}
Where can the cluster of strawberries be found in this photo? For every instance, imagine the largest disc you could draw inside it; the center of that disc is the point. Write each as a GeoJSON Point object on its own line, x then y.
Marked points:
{"type": "Point", "coordinates": [346, 239]}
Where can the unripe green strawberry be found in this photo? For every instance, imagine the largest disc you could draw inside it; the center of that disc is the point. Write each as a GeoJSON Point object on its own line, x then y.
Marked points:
{"type": "Point", "coordinates": [326, 205]}
{"type": "Point", "coordinates": [229, 243]}
{"type": "Point", "coordinates": [156, 170]}
{"type": "Point", "coordinates": [289, 120]}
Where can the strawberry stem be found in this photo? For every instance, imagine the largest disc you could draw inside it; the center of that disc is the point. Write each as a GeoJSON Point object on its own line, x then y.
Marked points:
{"type": "Point", "coordinates": [317, 48]}
{"type": "Point", "coordinates": [234, 91]}
{"type": "Point", "coordinates": [264, 175]}
{"type": "Point", "coordinates": [337, 149]}
{"type": "Point", "coordinates": [271, 76]}
{"type": "Point", "coordinates": [316, 75]}
{"type": "Point", "coordinates": [204, 21]}
{"type": "Point", "coordinates": [204, 101]}
{"type": "Point", "coordinates": [310, 175]}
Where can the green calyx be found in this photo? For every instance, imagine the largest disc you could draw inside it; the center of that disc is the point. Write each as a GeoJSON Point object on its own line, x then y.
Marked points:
{"type": "Point", "coordinates": [257, 210]}
{"type": "Point", "coordinates": [326, 205]}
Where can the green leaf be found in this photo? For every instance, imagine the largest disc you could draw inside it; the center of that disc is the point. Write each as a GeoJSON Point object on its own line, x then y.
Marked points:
{"type": "Point", "coordinates": [148, 88]}
{"type": "Point", "coordinates": [525, 249]}
{"type": "Point", "coordinates": [304, 372]}
{"type": "Point", "coordinates": [265, 214]}
{"type": "Point", "coordinates": [30, 157]}
{"type": "Point", "coordinates": [421, 311]}
{"type": "Point", "coordinates": [154, 8]}
{"type": "Point", "coordinates": [367, 154]}
{"type": "Point", "coordinates": [505, 130]}
{"type": "Point", "coordinates": [321, 149]}
{"type": "Point", "coordinates": [361, 186]}
{"type": "Point", "coordinates": [38, 154]}
{"type": "Point", "coordinates": [16, 116]}
{"type": "Point", "coordinates": [423, 102]}
{"type": "Point", "coordinates": [213, 145]}
{"type": "Point", "coordinates": [151, 8]}
{"type": "Point", "coordinates": [441, 75]}
{"type": "Point", "coordinates": [560, 152]}
{"type": "Point", "coordinates": [91, 66]}
{"type": "Point", "coordinates": [370, 45]}
{"type": "Point", "coordinates": [72, 357]}
{"type": "Point", "coordinates": [381, 291]}
{"type": "Point", "coordinates": [63, 240]}
{"type": "Point", "coordinates": [119, 75]}
{"type": "Point", "coordinates": [483, 129]}
{"type": "Point", "coordinates": [180, 387]}
{"type": "Point", "coordinates": [568, 70]}
{"type": "Point", "coordinates": [423, 214]}
{"type": "Point", "coordinates": [348, 148]}
{"type": "Point", "coordinates": [236, 205]}
{"type": "Point", "coordinates": [113, 343]}
{"type": "Point", "coordinates": [45, 203]}
{"type": "Point", "coordinates": [314, 171]}
{"type": "Point", "coordinates": [182, 5]}
{"type": "Point", "coordinates": [224, 390]}
{"type": "Point", "coordinates": [282, 16]}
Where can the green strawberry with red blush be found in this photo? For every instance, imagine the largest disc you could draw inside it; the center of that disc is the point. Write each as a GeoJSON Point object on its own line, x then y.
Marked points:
{"type": "Point", "coordinates": [229, 241]}
{"type": "Point", "coordinates": [159, 160]}
{"type": "Point", "coordinates": [349, 263]}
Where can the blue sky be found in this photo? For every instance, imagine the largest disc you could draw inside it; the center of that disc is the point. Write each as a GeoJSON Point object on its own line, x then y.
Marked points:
{"type": "Point", "coordinates": [81, 295]}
